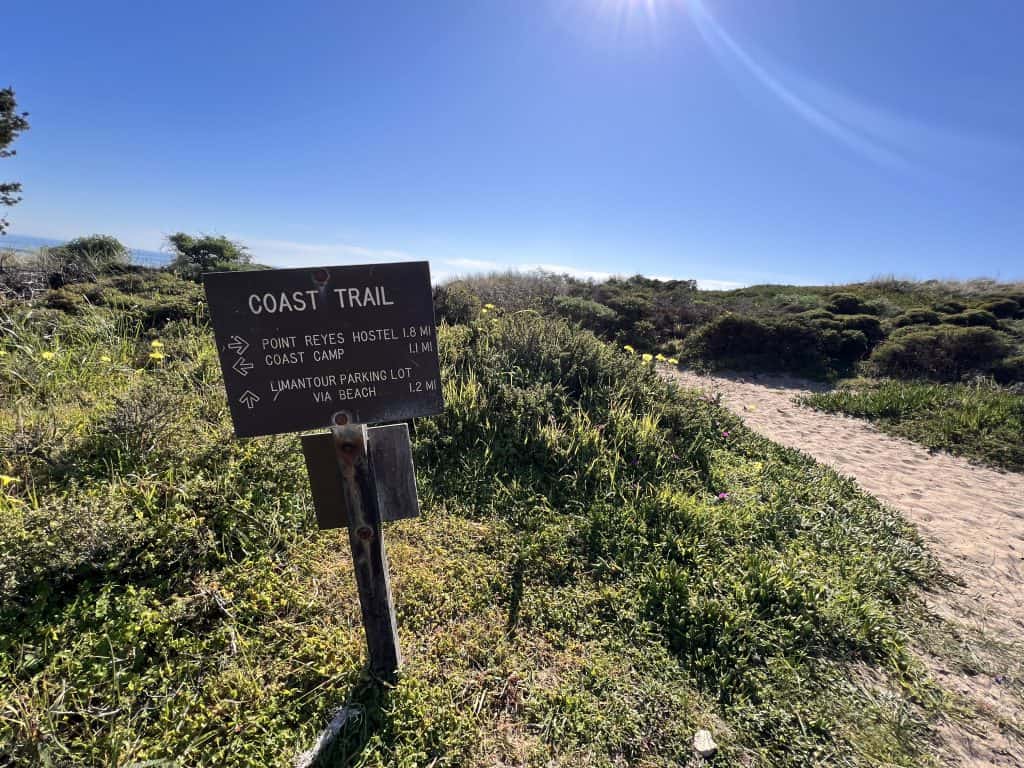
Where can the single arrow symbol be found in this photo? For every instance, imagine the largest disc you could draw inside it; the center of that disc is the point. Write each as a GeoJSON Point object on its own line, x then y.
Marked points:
{"type": "Point", "coordinates": [242, 366]}
{"type": "Point", "coordinates": [238, 345]}
{"type": "Point", "coordinates": [249, 399]}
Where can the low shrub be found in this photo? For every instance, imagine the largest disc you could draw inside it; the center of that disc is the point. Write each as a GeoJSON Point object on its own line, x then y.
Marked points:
{"type": "Point", "coordinates": [83, 259]}
{"type": "Point", "coordinates": [950, 307]}
{"type": "Point", "coordinates": [589, 314]}
{"type": "Point", "coordinates": [917, 316]}
{"type": "Point", "coordinates": [65, 300]}
{"type": "Point", "coordinates": [942, 353]}
{"type": "Point", "coordinates": [869, 325]}
{"type": "Point", "coordinates": [972, 317]}
{"type": "Point", "coordinates": [817, 349]}
{"type": "Point", "coordinates": [848, 304]}
{"type": "Point", "coordinates": [150, 297]}
{"type": "Point", "coordinates": [1010, 370]}
{"type": "Point", "coordinates": [642, 334]}
{"type": "Point", "coordinates": [1004, 308]}
{"type": "Point", "coordinates": [456, 303]}
{"type": "Point", "coordinates": [816, 314]}
{"type": "Point", "coordinates": [853, 345]}
{"type": "Point", "coordinates": [883, 307]}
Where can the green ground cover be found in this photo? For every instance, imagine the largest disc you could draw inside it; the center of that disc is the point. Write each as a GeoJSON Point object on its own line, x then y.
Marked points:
{"type": "Point", "coordinates": [603, 565]}
{"type": "Point", "coordinates": [979, 420]}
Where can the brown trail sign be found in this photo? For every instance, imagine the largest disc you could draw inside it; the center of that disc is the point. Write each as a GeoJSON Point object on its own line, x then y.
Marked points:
{"type": "Point", "coordinates": [298, 345]}
{"type": "Point", "coordinates": [339, 348]}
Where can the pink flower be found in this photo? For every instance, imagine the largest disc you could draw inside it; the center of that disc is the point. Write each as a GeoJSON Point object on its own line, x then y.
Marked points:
{"type": "Point", "coordinates": [723, 496]}
{"type": "Point", "coordinates": [725, 433]}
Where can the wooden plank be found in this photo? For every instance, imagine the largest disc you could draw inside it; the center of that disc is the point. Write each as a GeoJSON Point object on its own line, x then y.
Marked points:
{"type": "Point", "coordinates": [393, 472]}
{"type": "Point", "coordinates": [324, 480]}
{"type": "Point", "coordinates": [368, 554]}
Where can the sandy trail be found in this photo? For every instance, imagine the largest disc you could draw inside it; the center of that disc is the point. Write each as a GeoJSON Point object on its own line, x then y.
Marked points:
{"type": "Point", "coordinates": [971, 516]}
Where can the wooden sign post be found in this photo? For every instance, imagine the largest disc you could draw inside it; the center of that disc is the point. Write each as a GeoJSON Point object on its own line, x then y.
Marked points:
{"type": "Point", "coordinates": [338, 348]}
{"type": "Point", "coordinates": [359, 494]}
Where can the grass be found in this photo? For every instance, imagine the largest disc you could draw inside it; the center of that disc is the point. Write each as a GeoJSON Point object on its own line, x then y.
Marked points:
{"type": "Point", "coordinates": [979, 420]}
{"type": "Point", "coordinates": [577, 592]}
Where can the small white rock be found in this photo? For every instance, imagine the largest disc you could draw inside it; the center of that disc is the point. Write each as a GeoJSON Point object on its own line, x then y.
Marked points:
{"type": "Point", "coordinates": [703, 744]}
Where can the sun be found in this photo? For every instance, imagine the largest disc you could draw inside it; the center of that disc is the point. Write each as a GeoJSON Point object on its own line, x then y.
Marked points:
{"type": "Point", "coordinates": [620, 20]}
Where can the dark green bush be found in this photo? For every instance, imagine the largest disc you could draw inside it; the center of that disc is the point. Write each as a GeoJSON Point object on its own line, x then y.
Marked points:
{"type": "Point", "coordinates": [591, 315]}
{"type": "Point", "coordinates": [150, 297]}
{"type": "Point", "coordinates": [870, 326]}
{"type": "Point", "coordinates": [816, 314]}
{"type": "Point", "coordinates": [917, 316]}
{"type": "Point", "coordinates": [1010, 370]}
{"type": "Point", "coordinates": [643, 334]}
{"type": "Point", "coordinates": [456, 303]}
{"type": "Point", "coordinates": [972, 317]}
{"type": "Point", "coordinates": [883, 307]}
{"type": "Point", "coordinates": [848, 304]}
{"type": "Point", "coordinates": [83, 259]}
{"type": "Point", "coordinates": [195, 255]}
{"type": "Point", "coordinates": [950, 307]}
{"type": "Point", "coordinates": [802, 348]}
{"type": "Point", "coordinates": [1002, 307]}
{"type": "Point", "coordinates": [853, 346]}
{"type": "Point", "coordinates": [942, 353]}
{"type": "Point", "coordinates": [65, 300]}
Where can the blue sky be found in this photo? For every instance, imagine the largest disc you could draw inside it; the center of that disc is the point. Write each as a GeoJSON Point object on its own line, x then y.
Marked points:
{"type": "Point", "coordinates": [791, 141]}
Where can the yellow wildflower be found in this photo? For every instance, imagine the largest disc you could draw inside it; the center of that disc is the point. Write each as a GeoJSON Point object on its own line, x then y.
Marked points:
{"type": "Point", "coordinates": [104, 358]}
{"type": "Point", "coordinates": [157, 355]}
{"type": "Point", "coordinates": [660, 357]}
{"type": "Point", "coordinates": [484, 311]}
{"type": "Point", "coordinates": [629, 349]}
{"type": "Point", "coordinates": [488, 306]}
{"type": "Point", "coordinates": [6, 480]}
{"type": "Point", "coordinates": [648, 358]}
{"type": "Point", "coordinates": [673, 360]}
{"type": "Point", "coordinates": [47, 355]}
{"type": "Point", "coordinates": [3, 353]}
{"type": "Point", "coordinates": [156, 344]}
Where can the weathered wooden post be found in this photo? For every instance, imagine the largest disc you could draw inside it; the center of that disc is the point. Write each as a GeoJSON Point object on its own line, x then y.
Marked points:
{"type": "Point", "coordinates": [365, 536]}
{"type": "Point", "coordinates": [338, 348]}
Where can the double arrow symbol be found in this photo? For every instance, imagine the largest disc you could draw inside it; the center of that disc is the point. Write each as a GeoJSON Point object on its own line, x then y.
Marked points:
{"type": "Point", "coordinates": [238, 345]}
{"type": "Point", "coordinates": [242, 366]}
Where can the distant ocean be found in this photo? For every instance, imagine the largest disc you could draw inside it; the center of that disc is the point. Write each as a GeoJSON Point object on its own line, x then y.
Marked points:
{"type": "Point", "coordinates": [30, 243]}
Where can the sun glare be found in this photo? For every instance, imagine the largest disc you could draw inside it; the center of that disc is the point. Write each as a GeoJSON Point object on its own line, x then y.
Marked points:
{"type": "Point", "coordinates": [619, 20]}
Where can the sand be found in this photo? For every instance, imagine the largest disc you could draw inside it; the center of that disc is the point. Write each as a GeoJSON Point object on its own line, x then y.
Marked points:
{"type": "Point", "coordinates": [971, 516]}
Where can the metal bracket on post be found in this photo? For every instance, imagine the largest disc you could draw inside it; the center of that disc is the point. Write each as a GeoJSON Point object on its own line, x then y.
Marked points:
{"type": "Point", "coordinates": [359, 499]}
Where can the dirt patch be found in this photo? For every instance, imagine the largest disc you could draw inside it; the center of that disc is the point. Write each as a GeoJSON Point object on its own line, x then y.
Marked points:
{"type": "Point", "coordinates": [973, 518]}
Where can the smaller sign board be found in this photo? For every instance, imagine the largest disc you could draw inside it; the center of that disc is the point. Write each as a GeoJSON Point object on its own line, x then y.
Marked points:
{"type": "Point", "coordinates": [394, 477]}
{"type": "Point", "coordinates": [298, 346]}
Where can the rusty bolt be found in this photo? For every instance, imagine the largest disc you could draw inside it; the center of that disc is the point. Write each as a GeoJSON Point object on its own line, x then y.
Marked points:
{"type": "Point", "coordinates": [341, 419]}
{"type": "Point", "coordinates": [365, 532]}
{"type": "Point", "coordinates": [320, 276]}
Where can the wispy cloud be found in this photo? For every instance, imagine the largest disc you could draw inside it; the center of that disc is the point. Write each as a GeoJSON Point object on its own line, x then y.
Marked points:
{"type": "Point", "coordinates": [287, 253]}
{"type": "Point", "coordinates": [720, 285]}
{"type": "Point", "coordinates": [472, 263]}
